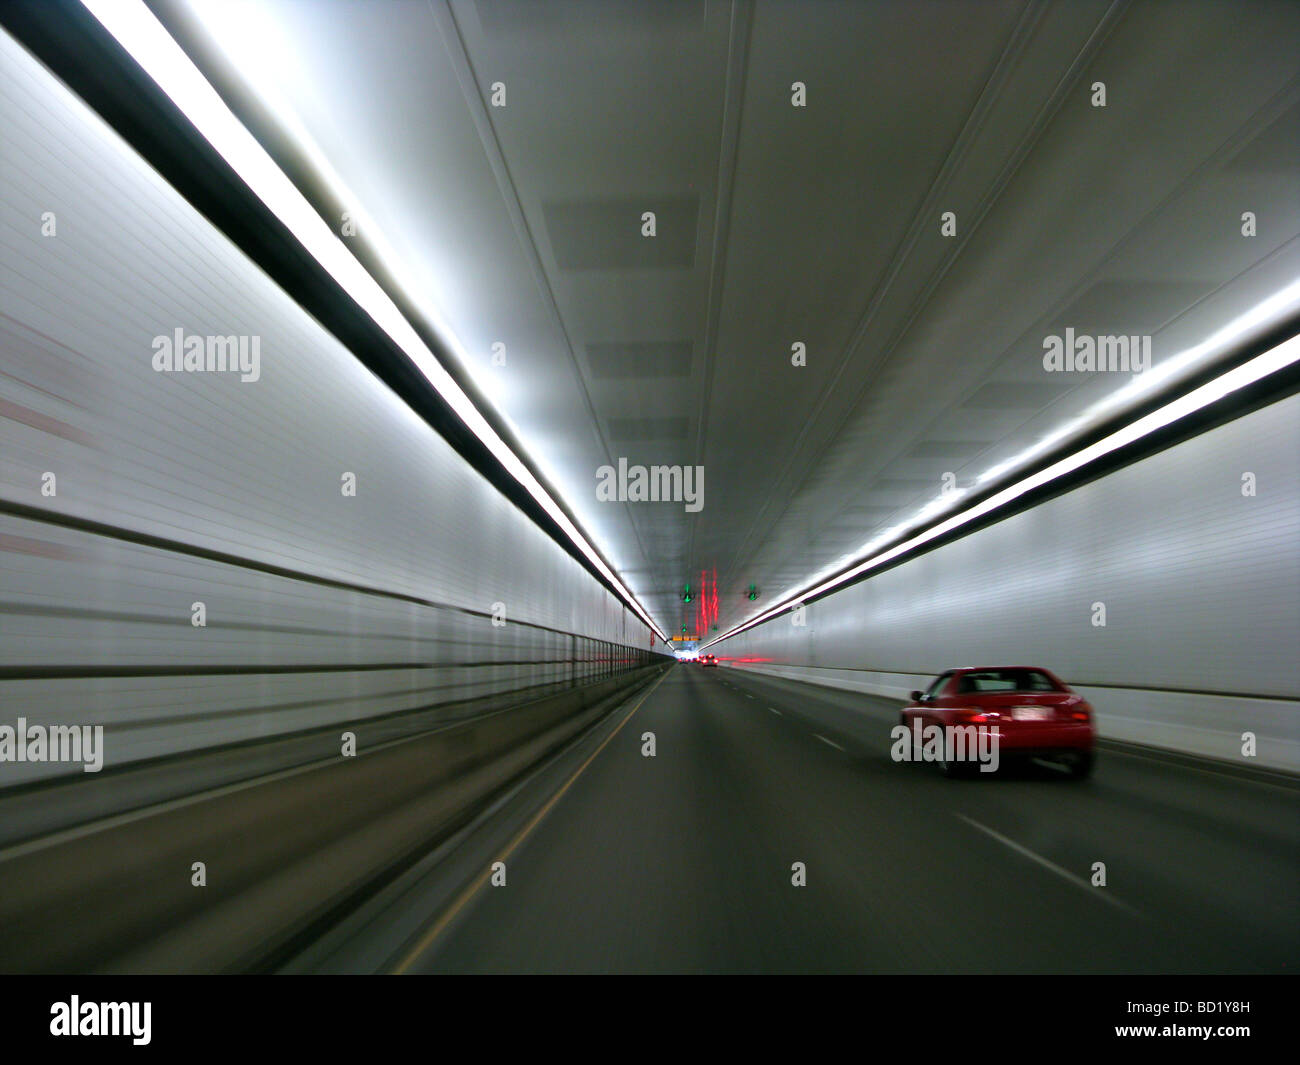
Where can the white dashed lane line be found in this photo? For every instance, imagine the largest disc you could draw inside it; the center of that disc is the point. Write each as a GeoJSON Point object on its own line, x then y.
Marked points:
{"type": "Point", "coordinates": [1077, 881]}
{"type": "Point", "coordinates": [832, 743]}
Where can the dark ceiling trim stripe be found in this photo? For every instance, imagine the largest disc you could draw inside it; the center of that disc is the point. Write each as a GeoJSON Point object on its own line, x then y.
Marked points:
{"type": "Point", "coordinates": [65, 37]}
{"type": "Point", "coordinates": [1271, 389]}
{"type": "Point", "coordinates": [457, 52]}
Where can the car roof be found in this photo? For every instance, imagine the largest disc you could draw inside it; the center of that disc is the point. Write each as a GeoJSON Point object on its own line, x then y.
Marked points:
{"type": "Point", "coordinates": [961, 671]}
{"type": "Point", "coordinates": [989, 669]}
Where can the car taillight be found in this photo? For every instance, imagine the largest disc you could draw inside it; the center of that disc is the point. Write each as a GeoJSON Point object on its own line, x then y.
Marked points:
{"type": "Point", "coordinates": [1081, 714]}
{"type": "Point", "coordinates": [975, 717]}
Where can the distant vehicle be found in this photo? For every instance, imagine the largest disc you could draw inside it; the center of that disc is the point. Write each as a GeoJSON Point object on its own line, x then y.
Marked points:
{"type": "Point", "coordinates": [1035, 713]}
{"type": "Point", "coordinates": [709, 660]}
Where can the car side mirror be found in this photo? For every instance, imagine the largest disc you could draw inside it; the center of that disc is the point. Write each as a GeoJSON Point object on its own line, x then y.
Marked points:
{"type": "Point", "coordinates": [916, 696]}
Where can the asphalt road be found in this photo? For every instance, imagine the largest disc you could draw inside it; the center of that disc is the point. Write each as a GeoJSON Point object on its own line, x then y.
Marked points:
{"type": "Point", "coordinates": [682, 862]}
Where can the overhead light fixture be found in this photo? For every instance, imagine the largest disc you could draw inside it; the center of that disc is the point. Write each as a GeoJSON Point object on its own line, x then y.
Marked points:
{"type": "Point", "coordinates": [1256, 369]}
{"type": "Point", "coordinates": [1261, 316]}
{"type": "Point", "coordinates": [145, 39]}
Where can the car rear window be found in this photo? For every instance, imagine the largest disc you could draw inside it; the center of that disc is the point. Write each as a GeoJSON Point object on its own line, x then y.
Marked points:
{"type": "Point", "coordinates": [1007, 680]}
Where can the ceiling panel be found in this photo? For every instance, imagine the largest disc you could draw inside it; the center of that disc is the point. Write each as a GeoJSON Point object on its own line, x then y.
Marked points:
{"type": "Point", "coordinates": [614, 234]}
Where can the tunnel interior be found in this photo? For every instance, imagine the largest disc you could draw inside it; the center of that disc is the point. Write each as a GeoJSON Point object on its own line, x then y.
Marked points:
{"type": "Point", "coordinates": [686, 487]}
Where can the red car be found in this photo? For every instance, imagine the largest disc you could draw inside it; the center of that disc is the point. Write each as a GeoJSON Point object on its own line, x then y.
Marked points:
{"type": "Point", "coordinates": [708, 660]}
{"type": "Point", "coordinates": [1035, 712]}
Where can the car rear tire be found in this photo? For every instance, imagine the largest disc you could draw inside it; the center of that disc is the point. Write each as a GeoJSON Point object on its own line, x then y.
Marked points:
{"type": "Point", "coordinates": [1080, 765]}
{"type": "Point", "coordinates": [953, 770]}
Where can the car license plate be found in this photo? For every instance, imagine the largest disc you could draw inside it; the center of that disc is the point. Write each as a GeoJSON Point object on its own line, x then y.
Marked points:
{"type": "Point", "coordinates": [1030, 713]}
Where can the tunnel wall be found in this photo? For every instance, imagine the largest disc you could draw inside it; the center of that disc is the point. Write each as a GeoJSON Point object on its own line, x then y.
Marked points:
{"type": "Point", "coordinates": [425, 588]}
{"type": "Point", "coordinates": [1200, 582]}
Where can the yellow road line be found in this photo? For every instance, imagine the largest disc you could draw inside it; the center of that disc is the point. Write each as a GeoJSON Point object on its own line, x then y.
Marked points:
{"type": "Point", "coordinates": [472, 888]}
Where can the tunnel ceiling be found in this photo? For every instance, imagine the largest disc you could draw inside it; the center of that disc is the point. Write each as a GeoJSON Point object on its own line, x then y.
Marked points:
{"type": "Point", "coordinates": [779, 225]}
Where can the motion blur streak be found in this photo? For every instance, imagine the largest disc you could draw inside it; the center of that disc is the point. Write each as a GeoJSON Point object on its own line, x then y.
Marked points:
{"type": "Point", "coordinates": [326, 646]}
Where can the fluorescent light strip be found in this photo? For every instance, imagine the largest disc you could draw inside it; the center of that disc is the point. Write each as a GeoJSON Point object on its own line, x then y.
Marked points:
{"type": "Point", "coordinates": [1266, 314]}
{"type": "Point", "coordinates": [1262, 315]}
{"type": "Point", "coordinates": [146, 40]}
{"type": "Point", "coordinates": [1270, 362]}
{"type": "Point", "coordinates": [252, 41]}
